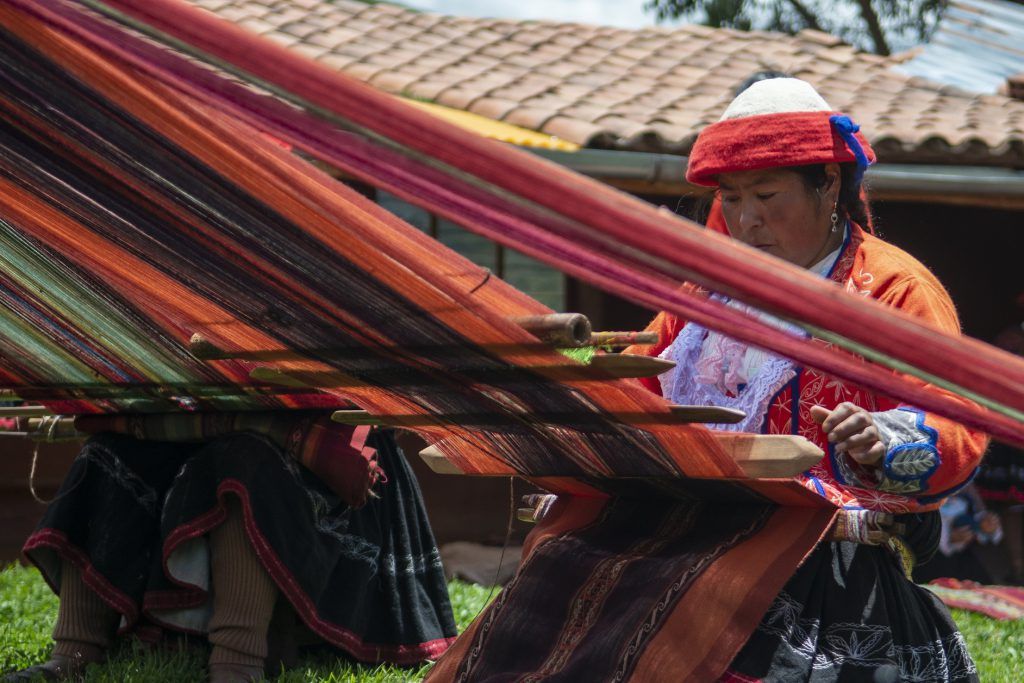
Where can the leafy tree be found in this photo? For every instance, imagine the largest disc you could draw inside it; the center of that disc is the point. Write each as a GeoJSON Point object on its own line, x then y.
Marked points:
{"type": "Point", "coordinates": [875, 25]}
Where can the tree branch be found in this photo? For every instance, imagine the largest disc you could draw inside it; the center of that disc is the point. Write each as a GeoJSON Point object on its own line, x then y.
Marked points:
{"type": "Point", "coordinates": [805, 14]}
{"type": "Point", "coordinates": [867, 12]}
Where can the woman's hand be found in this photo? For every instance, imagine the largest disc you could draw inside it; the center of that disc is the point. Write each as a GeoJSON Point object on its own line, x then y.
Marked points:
{"type": "Point", "coordinates": [851, 429]}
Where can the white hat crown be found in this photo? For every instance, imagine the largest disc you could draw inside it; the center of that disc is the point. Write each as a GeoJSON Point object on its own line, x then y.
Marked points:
{"type": "Point", "coordinates": [775, 96]}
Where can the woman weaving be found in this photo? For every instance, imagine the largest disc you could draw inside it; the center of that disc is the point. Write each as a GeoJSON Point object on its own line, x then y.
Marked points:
{"type": "Point", "coordinates": [788, 171]}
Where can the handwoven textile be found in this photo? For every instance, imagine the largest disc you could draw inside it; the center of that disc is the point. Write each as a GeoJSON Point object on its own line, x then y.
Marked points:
{"type": "Point", "coordinates": [641, 590]}
{"type": "Point", "coordinates": [998, 602]}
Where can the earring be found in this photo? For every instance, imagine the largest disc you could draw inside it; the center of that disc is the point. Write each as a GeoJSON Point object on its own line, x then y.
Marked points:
{"type": "Point", "coordinates": [835, 219]}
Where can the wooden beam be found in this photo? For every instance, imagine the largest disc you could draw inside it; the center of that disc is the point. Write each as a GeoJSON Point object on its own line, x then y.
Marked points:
{"type": "Point", "coordinates": [677, 415]}
{"type": "Point", "coordinates": [760, 456]}
{"type": "Point", "coordinates": [770, 456]}
{"type": "Point", "coordinates": [437, 462]}
{"type": "Point", "coordinates": [558, 329]}
{"type": "Point", "coordinates": [24, 411]}
{"type": "Point", "coordinates": [48, 428]}
{"type": "Point", "coordinates": [624, 366]}
{"type": "Point", "coordinates": [565, 330]}
{"type": "Point", "coordinates": [707, 414]}
{"type": "Point", "coordinates": [600, 368]}
{"type": "Point", "coordinates": [620, 339]}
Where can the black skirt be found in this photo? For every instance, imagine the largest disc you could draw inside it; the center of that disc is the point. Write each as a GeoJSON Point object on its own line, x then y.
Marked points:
{"type": "Point", "coordinates": [134, 516]}
{"type": "Point", "coordinates": [850, 614]}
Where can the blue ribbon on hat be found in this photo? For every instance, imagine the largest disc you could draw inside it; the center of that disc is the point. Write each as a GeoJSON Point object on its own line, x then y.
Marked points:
{"type": "Point", "coordinates": [846, 129]}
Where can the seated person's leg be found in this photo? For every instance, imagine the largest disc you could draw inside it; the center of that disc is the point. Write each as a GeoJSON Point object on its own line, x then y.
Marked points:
{"type": "Point", "coordinates": [243, 602]}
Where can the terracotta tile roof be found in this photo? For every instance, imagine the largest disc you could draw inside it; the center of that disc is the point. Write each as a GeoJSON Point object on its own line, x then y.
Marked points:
{"type": "Point", "coordinates": [646, 90]}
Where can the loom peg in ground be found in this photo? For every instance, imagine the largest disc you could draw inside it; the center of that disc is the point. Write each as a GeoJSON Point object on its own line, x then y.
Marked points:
{"type": "Point", "coordinates": [760, 456]}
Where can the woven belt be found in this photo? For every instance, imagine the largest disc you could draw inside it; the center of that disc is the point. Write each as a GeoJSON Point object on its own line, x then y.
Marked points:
{"type": "Point", "coordinates": [874, 528]}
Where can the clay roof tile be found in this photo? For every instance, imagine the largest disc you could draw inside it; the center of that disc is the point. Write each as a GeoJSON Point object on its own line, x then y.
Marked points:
{"type": "Point", "coordinates": [632, 89]}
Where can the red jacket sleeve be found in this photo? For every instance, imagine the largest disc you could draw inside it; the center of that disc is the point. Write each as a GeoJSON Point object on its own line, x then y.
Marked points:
{"type": "Point", "coordinates": [937, 454]}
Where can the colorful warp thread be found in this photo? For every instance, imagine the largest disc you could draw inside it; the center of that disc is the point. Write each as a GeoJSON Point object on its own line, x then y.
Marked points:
{"type": "Point", "coordinates": [132, 217]}
{"type": "Point", "coordinates": [621, 245]}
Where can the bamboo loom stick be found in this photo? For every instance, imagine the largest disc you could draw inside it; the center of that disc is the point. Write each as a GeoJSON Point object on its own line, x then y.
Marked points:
{"type": "Point", "coordinates": [625, 367]}
{"type": "Point", "coordinates": [558, 329]}
{"type": "Point", "coordinates": [760, 456]}
{"type": "Point", "coordinates": [47, 428]}
{"type": "Point", "coordinates": [24, 411]}
{"type": "Point", "coordinates": [619, 339]}
{"type": "Point", "coordinates": [677, 415]}
{"type": "Point", "coordinates": [600, 369]}
{"type": "Point", "coordinates": [205, 350]}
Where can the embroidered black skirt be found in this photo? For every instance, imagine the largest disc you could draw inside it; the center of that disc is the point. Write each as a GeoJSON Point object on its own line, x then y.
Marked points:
{"type": "Point", "coordinates": [134, 516]}
{"type": "Point", "coordinates": [850, 614]}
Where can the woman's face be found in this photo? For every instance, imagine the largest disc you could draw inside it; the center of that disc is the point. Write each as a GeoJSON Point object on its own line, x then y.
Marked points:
{"type": "Point", "coordinates": [773, 210]}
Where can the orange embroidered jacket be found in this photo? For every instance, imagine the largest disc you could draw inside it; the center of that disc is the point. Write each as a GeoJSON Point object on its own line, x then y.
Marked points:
{"type": "Point", "coordinates": [928, 456]}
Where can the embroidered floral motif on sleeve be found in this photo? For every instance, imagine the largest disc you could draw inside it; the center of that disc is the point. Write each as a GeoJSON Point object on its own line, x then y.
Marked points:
{"type": "Point", "coordinates": [912, 457]}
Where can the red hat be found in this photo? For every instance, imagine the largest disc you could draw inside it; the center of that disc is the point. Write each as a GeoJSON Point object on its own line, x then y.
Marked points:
{"type": "Point", "coordinates": [774, 123]}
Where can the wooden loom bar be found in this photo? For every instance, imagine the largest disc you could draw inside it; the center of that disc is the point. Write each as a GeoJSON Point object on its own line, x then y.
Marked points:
{"type": "Point", "coordinates": [760, 456]}
{"type": "Point", "coordinates": [49, 428]}
{"type": "Point", "coordinates": [617, 339]}
{"type": "Point", "coordinates": [558, 329]}
{"type": "Point", "coordinates": [600, 368]}
{"type": "Point", "coordinates": [677, 415]}
{"type": "Point", "coordinates": [566, 334]}
{"type": "Point", "coordinates": [24, 411]}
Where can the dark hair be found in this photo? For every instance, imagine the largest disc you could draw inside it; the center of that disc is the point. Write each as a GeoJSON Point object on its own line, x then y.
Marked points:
{"type": "Point", "coordinates": [850, 203]}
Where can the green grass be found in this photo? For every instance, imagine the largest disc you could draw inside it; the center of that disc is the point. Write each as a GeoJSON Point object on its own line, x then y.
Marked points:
{"type": "Point", "coordinates": [997, 646]}
{"type": "Point", "coordinates": [28, 608]}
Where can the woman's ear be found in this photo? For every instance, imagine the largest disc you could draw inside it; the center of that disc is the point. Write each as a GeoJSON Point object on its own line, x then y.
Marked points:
{"type": "Point", "coordinates": [833, 181]}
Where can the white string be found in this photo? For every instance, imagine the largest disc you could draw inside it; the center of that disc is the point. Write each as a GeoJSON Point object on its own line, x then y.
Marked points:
{"type": "Point", "coordinates": [48, 430]}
